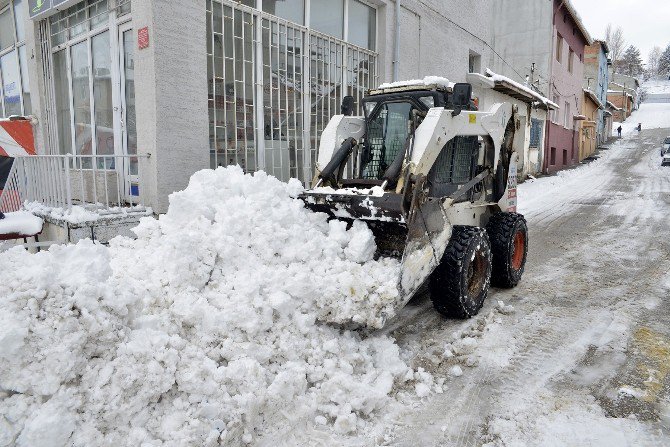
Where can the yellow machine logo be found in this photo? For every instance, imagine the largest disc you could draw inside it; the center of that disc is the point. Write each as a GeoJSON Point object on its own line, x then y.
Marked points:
{"type": "Point", "coordinates": [473, 118]}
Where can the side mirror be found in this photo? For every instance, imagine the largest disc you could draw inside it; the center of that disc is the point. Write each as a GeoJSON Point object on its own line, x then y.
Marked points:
{"type": "Point", "coordinates": [461, 94]}
{"type": "Point", "coordinates": [347, 108]}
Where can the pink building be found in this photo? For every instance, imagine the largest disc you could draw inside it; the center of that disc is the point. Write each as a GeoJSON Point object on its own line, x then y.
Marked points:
{"type": "Point", "coordinates": [542, 44]}
{"type": "Point", "coordinates": [565, 87]}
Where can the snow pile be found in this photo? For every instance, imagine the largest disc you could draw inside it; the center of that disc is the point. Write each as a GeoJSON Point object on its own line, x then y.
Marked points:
{"type": "Point", "coordinates": [22, 223]}
{"type": "Point", "coordinates": [203, 331]}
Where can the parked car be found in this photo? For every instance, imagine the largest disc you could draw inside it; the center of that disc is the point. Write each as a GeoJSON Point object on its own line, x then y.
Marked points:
{"type": "Point", "coordinates": [666, 159]}
{"type": "Point", "coordinates": [666, 146]}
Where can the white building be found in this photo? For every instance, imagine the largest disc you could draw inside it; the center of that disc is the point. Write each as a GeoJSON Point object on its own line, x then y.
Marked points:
{"type": "Point", "coordinates": [188, 85]}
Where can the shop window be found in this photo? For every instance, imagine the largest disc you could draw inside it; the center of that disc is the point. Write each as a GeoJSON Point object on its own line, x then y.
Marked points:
{"type": "Point", "coordinates": [565, 157]}
{"type": "Point", "coordinates": [25, 82]}
{"type": "Point", "coordinates": [327, 16]}
{"type": "Point", "coordinates": [19, 21]}
{"type": "Point", "coordinates": [6, 29]}
{"type": "Point", "coordinates": [362, 25]}
{"type": "Point", "coordinates": [293, 10]}
{"type": "Point", "coordinates": [11, 83]}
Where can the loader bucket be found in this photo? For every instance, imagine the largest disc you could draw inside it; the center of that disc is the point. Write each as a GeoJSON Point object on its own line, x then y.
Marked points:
{"type": "Point", "coordinates": [417, 237]}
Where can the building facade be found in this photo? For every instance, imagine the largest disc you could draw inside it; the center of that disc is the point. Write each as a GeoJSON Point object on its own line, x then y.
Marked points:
{"type": "Point", "coordinates": [190, 85]}
{"type": "Point", "coordinates": [596, 80]}
{"type": "Point", "coordinates": [588, 126]}
{"type": "Point", "coordinates": [544, 43]}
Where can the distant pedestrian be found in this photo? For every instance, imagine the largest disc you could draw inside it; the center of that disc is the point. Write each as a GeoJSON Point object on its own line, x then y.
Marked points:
{"type": "Point", "coordinates": [618, 129]}
{"type": "Point", "coordinates": [639, 127]}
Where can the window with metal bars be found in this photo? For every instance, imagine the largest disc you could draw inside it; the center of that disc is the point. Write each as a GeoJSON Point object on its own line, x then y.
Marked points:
{"type": "Point", "coordinates": [387, 132]}
{"type": "Point", "coordinates": [79, 19]}
{"type": "Point", "coordinates": [454, 166]}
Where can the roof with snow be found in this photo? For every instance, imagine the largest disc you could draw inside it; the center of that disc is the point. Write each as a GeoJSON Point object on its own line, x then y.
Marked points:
{"type": "Point", "coordinates": [593, 98]}
{"type": "Point", "coordinates": [429, 82]}
{"type": "Point", "coordinates": [612, 106]}
{"type": "Point", "coordinates": [578, 20]}
{"type": "Point", "coordinates": [511, 88]}
{"type": "Point", "coordinates": [617, 92]}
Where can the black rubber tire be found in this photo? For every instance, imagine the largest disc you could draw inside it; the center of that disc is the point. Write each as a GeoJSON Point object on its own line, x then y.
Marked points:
{"type": "Point", "coordinates": [502, 230]}
{"type": "Point", "coordinates": [460, 284]}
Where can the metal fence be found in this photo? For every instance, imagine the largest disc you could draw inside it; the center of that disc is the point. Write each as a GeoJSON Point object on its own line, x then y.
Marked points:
{"type": "Point", "coordinates": [96, 182]}
{"type": "Point", "coordinates": [273, 87]}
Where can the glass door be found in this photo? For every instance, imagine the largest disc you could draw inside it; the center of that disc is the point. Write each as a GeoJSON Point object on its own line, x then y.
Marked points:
{"type": "Point", "coordinates": [127, 118]}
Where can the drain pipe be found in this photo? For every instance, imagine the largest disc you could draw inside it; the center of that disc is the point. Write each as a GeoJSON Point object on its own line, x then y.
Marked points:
{"type": "Point", "coordinates": [396, 41]}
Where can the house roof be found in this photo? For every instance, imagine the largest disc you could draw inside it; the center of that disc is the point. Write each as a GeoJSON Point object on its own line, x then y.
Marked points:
{"type": "Point", "coordinates": [593, 98]}
{"type": "Point", "coordinates": [578, 21]}
{"type": "Point", "coordinates": [511, 88]}
{"type": "Point", "coordinates": [612, 106]}
{"type": "Point", "coordinates": [603, 44]}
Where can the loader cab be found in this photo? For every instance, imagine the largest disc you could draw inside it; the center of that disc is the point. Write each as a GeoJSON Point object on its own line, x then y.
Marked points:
{"type": "Point", "coordinates": [389, 119]}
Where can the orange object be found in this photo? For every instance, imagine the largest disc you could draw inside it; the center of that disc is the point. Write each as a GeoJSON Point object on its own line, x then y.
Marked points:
{"type": "Point", "coordinates": [16, 138]}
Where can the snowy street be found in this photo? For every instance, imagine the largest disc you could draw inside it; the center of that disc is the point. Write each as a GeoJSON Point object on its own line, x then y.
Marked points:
{"type": "Point", "coordinates": [585, 356]}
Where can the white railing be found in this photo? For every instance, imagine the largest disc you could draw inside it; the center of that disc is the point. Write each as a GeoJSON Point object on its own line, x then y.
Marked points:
{"type": "Point", "coordinates": [96, 182]}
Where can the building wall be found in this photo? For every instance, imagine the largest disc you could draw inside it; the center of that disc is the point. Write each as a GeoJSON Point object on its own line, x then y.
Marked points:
{"type": "Point", "coordinates": [172, 106]}
{"type": "Point", "coordinates": [529, 160]}
{"type": "Point", "coordinates": [596, 79]}
{"type": "Point", "coordinates": [566, 88]}
{"type": "Point", "coordinates": [436, 38]}
{"type": "Point", "coordinates": [522, 35]}
{"type": "Point", "coordinates": [588, 128]}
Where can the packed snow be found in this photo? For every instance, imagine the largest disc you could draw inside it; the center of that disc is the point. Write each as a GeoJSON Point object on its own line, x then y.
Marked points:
{"type": "Point", "coordinates": [78, 214]}
{"type": "Point", "coordinates": [22, 223]}
{"type": "Point", "coordinates": [425, 82]}
{"type": "Point", "coordinates": [207, 329]}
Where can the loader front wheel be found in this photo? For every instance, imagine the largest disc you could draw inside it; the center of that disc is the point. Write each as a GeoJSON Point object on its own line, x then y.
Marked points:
{"type": "Point", "coordinates": [508, 233]}
{"type": "Point", "coordinates": [460, 284]}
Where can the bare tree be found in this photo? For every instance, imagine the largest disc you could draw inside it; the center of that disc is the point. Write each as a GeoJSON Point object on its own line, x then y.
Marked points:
{"type": "Point", "coordinates": [615, 42]}
{"type": "Point", "coordinates": [653, 62]}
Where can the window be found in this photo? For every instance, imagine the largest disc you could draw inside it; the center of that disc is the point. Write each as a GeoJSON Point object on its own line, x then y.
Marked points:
{"type": "Point", "coordinates": [555, 114]}
{"type": "Point", "coordinates": [565, 156]}
{"type": "Point", "coordinates": [567, 117]}
{"type": "Point", "coordinates": [14, 88]}
{"type": "Point", "coordinates": [535, 132]}
{"type": "Point", "coordinates": [559, 47]}
{"type": "Point", "coordinates": [6, 29]}
{"type": "Point", "coordinates": [571, 57]}
{"type": "Point", "coordinates": [293, 10]}
{"type": "Point", "coordinates": [327, 16]}
{"type": "Point", "coordinates": [474, 62]}
{"type": "Point", "coordinates": [362, 25]}
{"type": "Point", "coordinates": [11, 86]}
{"type": "Point", "coordinates": [552, 158]}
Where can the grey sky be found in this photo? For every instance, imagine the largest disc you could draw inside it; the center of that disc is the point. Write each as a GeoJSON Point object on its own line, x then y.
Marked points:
{"type": "Point", "coordinates": [645, 23]}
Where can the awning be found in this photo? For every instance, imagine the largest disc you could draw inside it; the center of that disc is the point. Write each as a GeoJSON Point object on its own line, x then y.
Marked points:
{"type": "Point", "coordinates": [16, 138]}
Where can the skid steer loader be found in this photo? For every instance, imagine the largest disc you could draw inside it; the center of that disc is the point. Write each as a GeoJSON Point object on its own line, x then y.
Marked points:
{"type": "Point", "coordinates": [435, 180]}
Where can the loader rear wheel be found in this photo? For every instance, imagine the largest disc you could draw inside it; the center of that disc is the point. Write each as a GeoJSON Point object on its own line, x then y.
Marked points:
{"type": "Point", "coordinates": [460, 284]}
{"type": "Point", "coordinates": [508, 233]}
